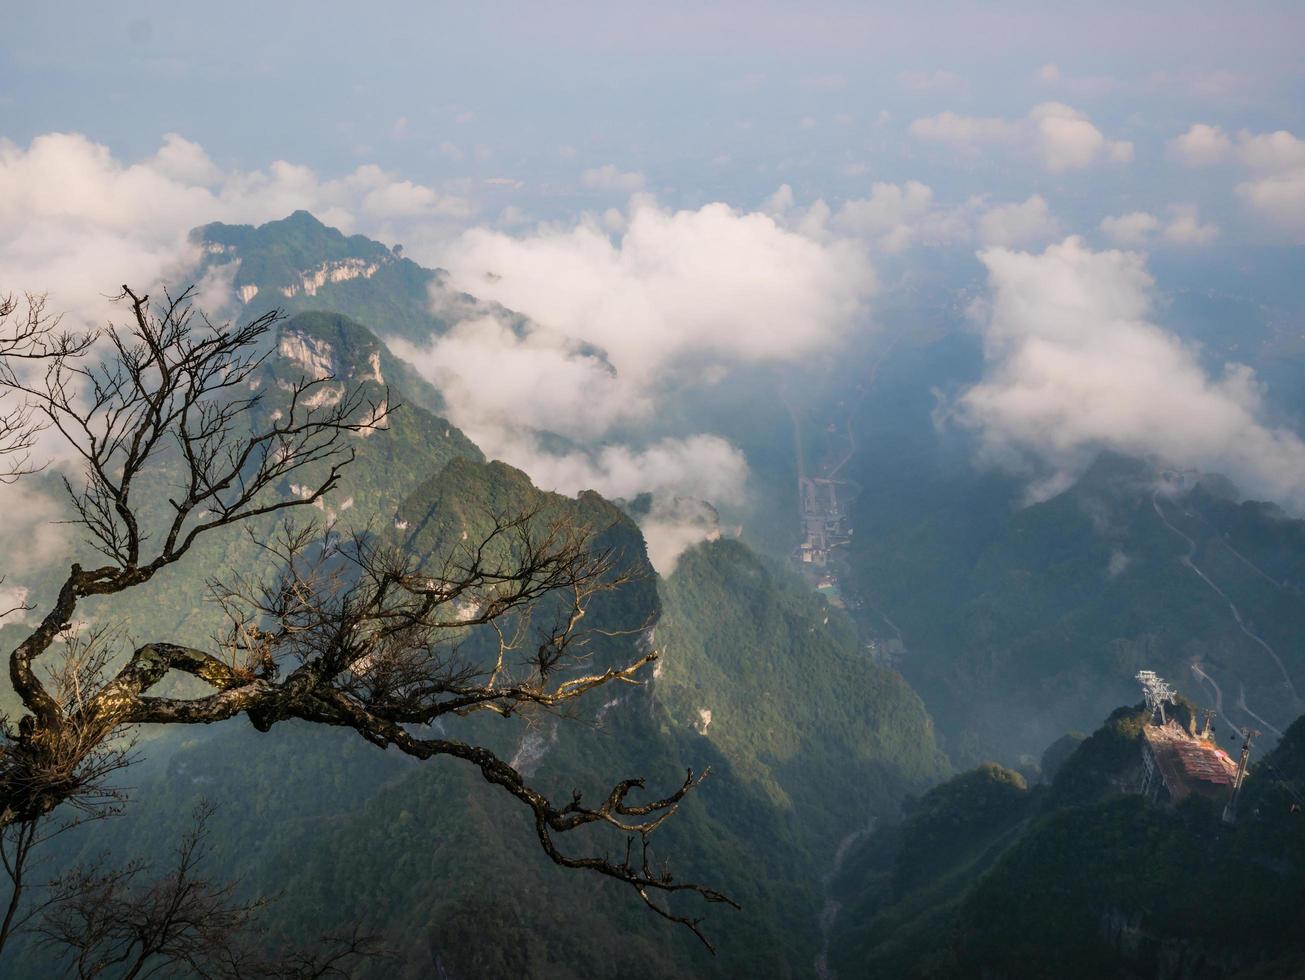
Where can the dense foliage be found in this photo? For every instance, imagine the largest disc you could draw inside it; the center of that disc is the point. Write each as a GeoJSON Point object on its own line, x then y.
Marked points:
{"type": "Point", "coordinates": [1084, 879]}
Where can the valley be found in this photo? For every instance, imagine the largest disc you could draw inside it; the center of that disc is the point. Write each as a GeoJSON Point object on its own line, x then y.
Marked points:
{"type": "Point", "coordinates": [784, 673]}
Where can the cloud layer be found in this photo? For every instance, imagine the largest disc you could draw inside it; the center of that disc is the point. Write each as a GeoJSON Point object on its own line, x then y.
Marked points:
{"type": "Point", "coordinates": [1275, 166]}
{"type": "Point", "coordinates": [895, 217]}
{"type": "Point", "coordinates": [1059, 136]}
{"type": "Point", "coordinates": [622, 309]}
{"type": "Point", "coordinates": [1075, 365]}
{"type": "Point", "coordinates": [1139, 228]}
{"type": "Point", "coordinates": [711, 282]}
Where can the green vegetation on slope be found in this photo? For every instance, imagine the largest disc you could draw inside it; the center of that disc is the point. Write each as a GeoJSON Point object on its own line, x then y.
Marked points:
{"type": "Point", "coordinates": [774, 677]}
{"type": "Point", "coordinates": [389, 464]}
{"type": "Point", "coordinates": [1086, 880]}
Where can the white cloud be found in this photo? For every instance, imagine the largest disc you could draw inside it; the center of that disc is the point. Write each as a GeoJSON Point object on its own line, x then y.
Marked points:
{"type": "Point", "coordinates": [899, 216]}
{"type": "Point", "coordinates": [404, 199]}
{"type": "Point", "coordinates": [1277, 191]}
{"type": "Point", "coordinates": [1061, 137]}
{"type": "Point", "coordinates": [80, 222]}
{"type": "Point", "coordinates": [610, 178]}
{"type": "Point", "coordinates": [895, 217]}
{"type": "Point", "coordinates": [185, 162]}
{"type": "Point", "coordinates": [1201, 146]}
{"type": "Point", "coordinates": [1133, 229]}
{"type": "Point", "coordinates": [30, 538]}
{"type": "Point", "coordinates": [675, 524]}
{"type": "Point", "coordinates": [1067, 140]}
{"type": "Point", "coordinates": [1267, 153]}
{"type": "Point", "coordinates": [706, 467]}
{"type": "Point", "coordinates": [891, 216]}
{"type": "Point", "coordinates": [620, 308]}
{"type": "Point", "coordinates": [933, 82]}
{"type": "Point", "coordinates": [1025, 223]}
{"type": "Point", "coordinates": [1275, 187]}
{"type": "Point", "coordinates": [495, 378]}
{"type": "Point", "coordinates": [1185, 227]}
{"type": "Point", "coordinates": [1083, 86]}
{"type": "Point", "coordinates": [1075, 365]}
{"type": "Point", "coordinates": [949, 127]}
{"type": "Point", "coordinates": [680, 474]}
{"type": "Point", "coordinates": [511, 216]}
{"type": "Point", "coordinates": [621, 305]}
{"type": "Point", "coordinates": [1140, 228]}
{"type": "Point", "coordinates": [714, 282]}
{"type": "Point", "coordinates": [779, 202]}
{"type": "Point", "coordinates": [1274, 153]}
{"type": "Point", "coordinates": [1280, 199]}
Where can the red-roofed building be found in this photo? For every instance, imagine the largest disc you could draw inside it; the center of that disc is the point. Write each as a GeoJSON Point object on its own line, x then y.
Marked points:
{"type": "Point", "coordinates": [1177, 764]}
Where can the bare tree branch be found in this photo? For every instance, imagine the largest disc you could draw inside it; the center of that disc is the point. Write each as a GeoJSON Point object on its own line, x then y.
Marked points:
{"type": "Point", "coordinates": [114, 923]}
{"type": "Point", "coordinates": [26, 342]}
{"type": "Point", "coordinates": [345, 631]}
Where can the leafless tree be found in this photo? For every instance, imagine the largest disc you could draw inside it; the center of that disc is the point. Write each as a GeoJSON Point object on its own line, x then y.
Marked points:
{"type": "Point", "coordinates": [179, 923]}
{"type": "Point", "coordinates": [342, 632]}
{"type": "Point", "coordinates": [27, 341]}
{"type": "Point", "coordinates": [30, 340]}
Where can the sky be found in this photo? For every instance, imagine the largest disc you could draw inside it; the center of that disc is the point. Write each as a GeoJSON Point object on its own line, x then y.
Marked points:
{"type": "Point", "coordinates": [706, 101]}
{"type": "Point", "coordinates": [696, 188]}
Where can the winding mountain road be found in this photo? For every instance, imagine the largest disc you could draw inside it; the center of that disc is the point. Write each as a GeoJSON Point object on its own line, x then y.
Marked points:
{"type": "Point", "coordinates": [1232, 606]}
{"type": "Point", "coordinates": [1218, 694]}
{"type": "Point", "coordinates": [1241, 703]}
{"type": "Point", "coordinates": [1241, 625]}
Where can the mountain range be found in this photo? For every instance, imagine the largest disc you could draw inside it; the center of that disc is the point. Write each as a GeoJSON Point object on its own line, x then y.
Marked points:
{"type": "Point", "coordinates": [834, 813]}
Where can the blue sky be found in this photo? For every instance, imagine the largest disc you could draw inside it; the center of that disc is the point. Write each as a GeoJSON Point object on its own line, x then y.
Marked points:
{"type": "Point", "coordinates": [719, 103]}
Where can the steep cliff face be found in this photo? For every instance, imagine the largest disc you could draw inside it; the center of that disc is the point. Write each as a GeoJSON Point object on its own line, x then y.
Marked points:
{"type": "Point", "coordinates": [392, 458]}
{"type": "Point", "coordinates": [339, 270]}
{"type": "Point", "coordinates": [299, 264]}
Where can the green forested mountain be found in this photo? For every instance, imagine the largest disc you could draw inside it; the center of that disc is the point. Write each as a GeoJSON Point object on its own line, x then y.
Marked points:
{"type": "Point", "coordinates": [823, 815]}
{"type": "Point", "coordinates": [299, 264]}
{"type": "Point", "coordinates": [388, 465]}
{"type": "Point", "coordinates": [810, 741]}
{"type": "Point", "coordinates": [446, 867]}
{"type": "Point", "coordinates": [774, 677]}
{"type": "Point", "coordinates": [985, 876]}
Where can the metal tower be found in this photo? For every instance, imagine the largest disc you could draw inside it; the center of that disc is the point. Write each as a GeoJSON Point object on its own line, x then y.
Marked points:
{"type": "Point", "coordinates": [1230, 811]}
{"type": "Point", "coordinates": [1156, 692]}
